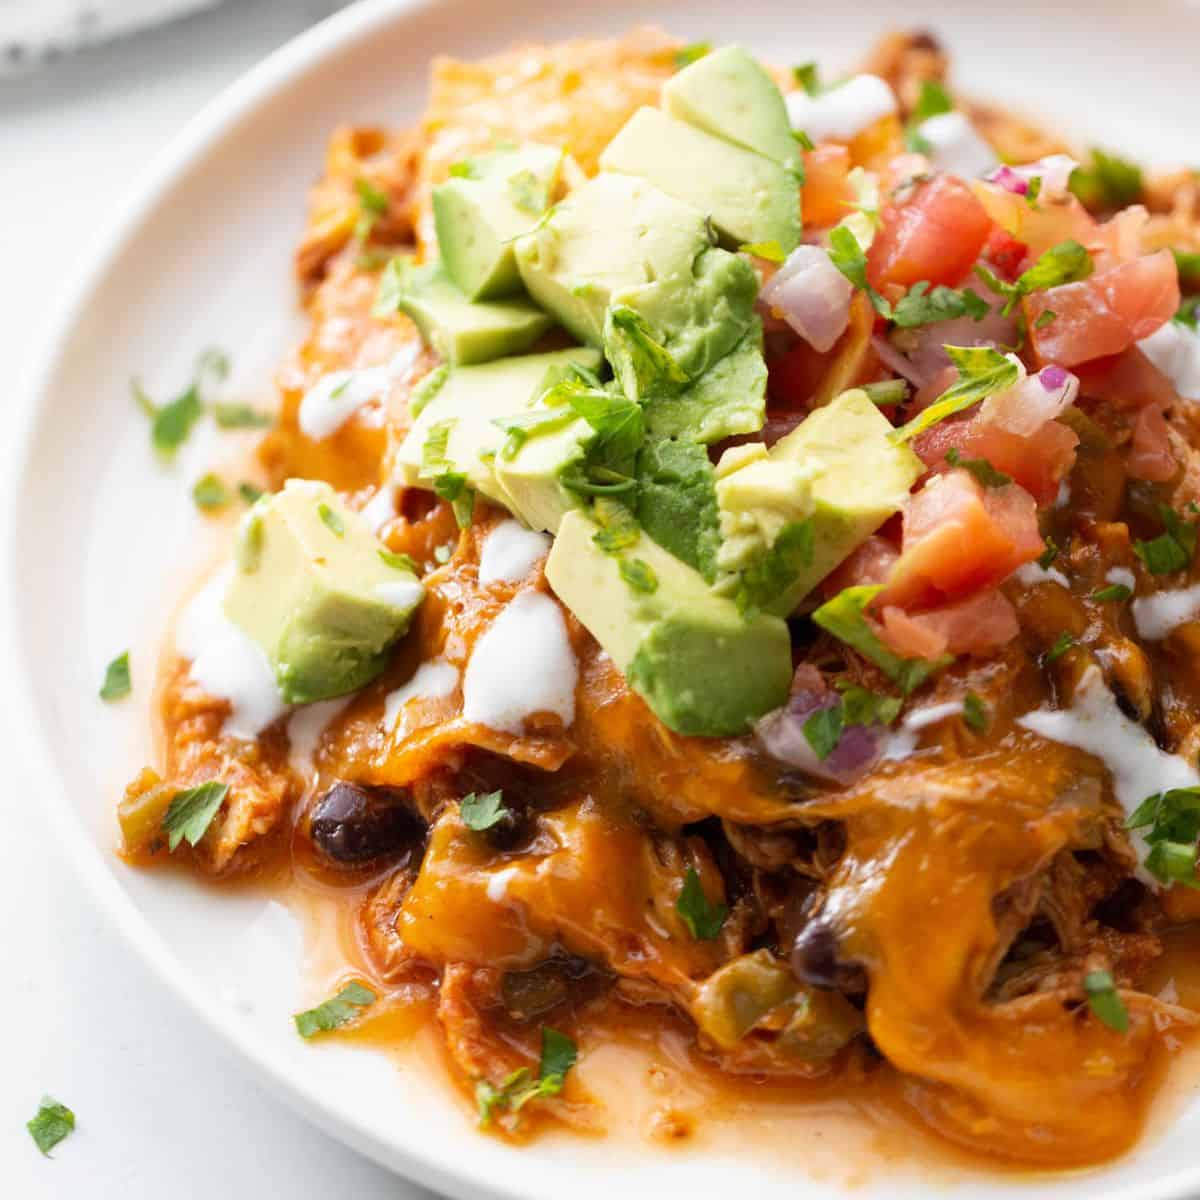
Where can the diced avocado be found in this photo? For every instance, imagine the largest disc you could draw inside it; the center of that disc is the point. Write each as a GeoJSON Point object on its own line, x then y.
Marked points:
{"type": "Point", "coordinates": [315, 593]}
{"type": "Point", "coordinates": [464, 332]}
{"type": "Point", "coordinates": [728, 399]}
{"type": "Point", "coordinates": [857, 476]}
{"type": "Point", "coordinates": [531, 479]}
{"type": "Point", "coordinates": [749, 197]}
{"type": "Point", "coordinates": [480, 212]}
{"type": "Point", "coordinates": [619, 241]}
{"type": "Point", "coordinates": [687, 652]}
{"type": "Point", "coordinates": [455, 431]}
{"type": "Point", "coordinates": [728, 94]}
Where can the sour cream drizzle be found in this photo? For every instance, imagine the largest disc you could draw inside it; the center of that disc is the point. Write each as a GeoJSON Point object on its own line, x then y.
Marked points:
{"type": "Point", "coordinates": [510, 552]}
{"type": "Point", "coordinates": [903, 741]}
{"type": "Point", "coordinates": [306, 727]}
{"type": "Point", "coordinates": [1156, 616]}
{"type": "Point", "coordinates": [1175, 351]}
{"type": "Point", "coordinates": [521, 665]}
{"type": "Point", "coordinates": [841, 112]}
{"type": "Point", "coordinates": [227, 663]}
{"type": "Point", "coordinates": [433, 680]}
{"type": "Point", "coordinates": [335, 397]}
{"type": "Point", "coordinates": [956, 147]}
{"type": "Point", "coordinates": [1095, 724]}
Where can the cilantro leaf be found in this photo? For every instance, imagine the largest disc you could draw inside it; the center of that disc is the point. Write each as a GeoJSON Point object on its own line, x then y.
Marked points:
{"type": "Point", "coordinates": [639, 575]}
{"type": "Point", "coordinates": [702, 918]}
{"type": "Point", "coordinates": [401, 562]}
{"type": "Point", "coordinates": [117, 684]}
{"type": "Point", "coordinates": [559, 1054]}
{"type": "Point", "coordinates": [331, 520]}
{"type": "Point", "coordinates": [807, 75]}
{"type": "Point", "coordinates": [210, 493]}
{"type": "Point", "coordinates": [50, 1124]}
{"type": "Point", "coordinates": [433, 450]}
{"type": "Point", "coordinates": [1105, 1001]}
{"type": "Point", "coordinates": [642, 365]}
{"type": "Point", "coordinates": [250, 492]}
{"type": "Point", "coordinates": [1107, 181]}
{"type": "Point", "coordinates": [676, 502]}
{"type": "Point", "coordinates": [1044, 318]}
{"type": "Point", "coordinates": [1172, 821]}
{"type": "Point", "coordinates": [1061, 645]}
{"type": "Point", "coordinates": [1068, 262]}
{"type": "Point", "coordinates": [393, 283]}
{"type": "Point", "coordinates": [1048, 555]}
{"type": "Point", "coordinates": [618, 530]}
{"type": "Point", "coordinates": [823, 731]}
{"type": "Point", "coordinates": [686, 55]}
{"type": "Point", "coordinates": [979, 467]}
{"type": "Point", "coordinates": [771, 251]}
{"type": "Point", "coordinates": [370, 197]}
{"type": "Point", "coordinates": [922, 306]}
{"type": "Point", "coordinates": [482, 810]}
{"type": "Point", "coordinates": [240, 416]}
{"type": "Point", "coordinates": [844, 617]}
{"type": "Point", "coordinates": [848, 256]}
{"type": "Point", "coordinates": [975, 713]}
{"type": "Point", "coordinates": [335, 1012]}
{"type": "Point", "coordinates": [191, 812]}
{"type": "Point", "coordinates": [1188, 263]}
{"type": "Point", "coordinates": [522, 426]}
{"type": "Point", "coordinates": [1115, 591]}
{"type": "Point", "coordinates": [932, 101]}
{"type": "Point", "coordinates": [1173, 549]}
{"type": "Point", "coordinates": [1189, 312]}
{"type": "Point", "coordinates": [863, 707]}
{"type": "Point", "coordinates": [887, 391]}
{"type": "Point", "coordinates": [982, 372]}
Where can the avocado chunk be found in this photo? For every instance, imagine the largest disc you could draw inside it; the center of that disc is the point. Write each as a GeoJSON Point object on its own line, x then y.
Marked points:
{"type": "Point", "coordinates": [464, 332]}
{"type": "Point", "coordinates": [687, 652]}
{"type": "Point", "coordinates": [618, 241]}
{"type": "Point", "coordinates": [456, 431]}
{"type": "Point", "coordinates": [813, 498]}
{"type": "Point", "coordinates": [479, 212]}
{"type": "Point", "coordinates": [750, 198]}
{"type": "Point", "coordinates": [313, 590]}
{"type": "Point", "coordinates": [728, 399]}
{"type": "Point", "coordinates": [531, 477]}
{"type": "Point", "coordinates": [728, 94]}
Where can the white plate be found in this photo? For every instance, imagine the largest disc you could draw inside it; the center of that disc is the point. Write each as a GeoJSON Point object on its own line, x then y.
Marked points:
{"type": "Point", "coordinates": [100, 538]}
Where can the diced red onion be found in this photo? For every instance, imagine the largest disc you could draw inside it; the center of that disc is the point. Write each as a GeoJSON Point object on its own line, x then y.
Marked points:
{"type": "Point", "coordinates": [929, 353]}
{"type": "Point", "coordinates": [1024, 408]}
{"type": "Point", "coordinates": [1054, 171]}
{"type": "Point", "coordinates": [895, 361]}
{"type": "Point", "coordinates": [1009, 180]}
{"type": "Point", "coordinates": [812, 296]}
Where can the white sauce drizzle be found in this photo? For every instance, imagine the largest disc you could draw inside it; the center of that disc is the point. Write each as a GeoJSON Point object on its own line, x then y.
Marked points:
{"type": "Point", "coordinates": [956, 147]}
{"type": "Point", "coordinates": [306, 727]}
{"type": "Point", "coordinates": [842, 112]}
{"type": "Point", "coordinates": [1175, 351]}
{"type": "Point", "coordinates": [1032, 572]}
{"type": "Point", "coordinates": [400, 593]}
{"type": "Point", "coordinates": [381, 507]}
{"type": "Point", "coordinates": [1064, 495]}
{"type": "Point", "coordinates": [1095, 724]}
{"type": "Point", "coordinates": [510, 552]}
{"type": "Point", "coordinates": [497, 884]}
{"type": "Point", "coordinates": [1155, 616]}
{"type": "Point", "coordinates": [903, 741]}
{"type": "Point", "coordinates": [433, 680]}
{"type": "Point", "coordinates": [335, 397]}
{"type": "Point", "coordinates": [227, 663]}
{"type": "Point", "coordinates": [1122, 575]}
{"type": "Point", "coordinates": [523, 664]}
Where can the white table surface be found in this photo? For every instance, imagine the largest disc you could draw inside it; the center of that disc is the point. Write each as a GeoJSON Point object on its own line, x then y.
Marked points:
{"type": "Point", "coordinates": [164, 1111]}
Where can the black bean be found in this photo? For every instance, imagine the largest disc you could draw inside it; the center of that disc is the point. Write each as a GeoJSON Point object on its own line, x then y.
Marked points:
{"type": "Point", "coordinates": [816, 961]}
{"type": "Point", "coordinates": [352, 824]}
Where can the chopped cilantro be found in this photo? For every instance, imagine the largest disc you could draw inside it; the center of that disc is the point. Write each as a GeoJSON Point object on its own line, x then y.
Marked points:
{"type": "Point", "coordinates": [171, 423]}
{"type": "Point", "coordinates": [676, 502]}
{"type": "Point", "coordinates": [50, 1124]}
{"type": "Point", "coordinates": [1107, 181]}
{"type": "Point", "coordinates": [370, 197]}
{"type": "Point", "coordinates": [433, 451]}
{"type": "Point", "coordinates": [848, 256]}
{"type": "Point", "coordinates": [331, 520]}
{"type": "Point", "coordinates": [466, 168]}
{"type": "Point", "coordinates": [559, 1055]}
{"type": "Point", "coordinates": [1172, 822]}
{"type": "Point", "coordinates": [702, 918]}
{"type": "Point", "coordinates": [845, 618]}
{"type": "Point", "coordinates": [808, 77]}
{"type": "Point", "coordinates": [863, 707]}
{"type": "Point", "coordinates": [1189, 312]}
{"type": "Point", "coordinates": [806, 143]}
{"type": "Point", "coordinates": [823, 731]}
{"type": "Point", "coordinates": [975, 713]}
{"type": "Point", "coordinates": [1114, 591]}
{"type": "Point", "coordinates": [1105, 1001]}
{"type": "Point", "coordinates": [401, 562]}
{"type": "Point", "coordinates": [886, 391]}
{"type": "Point", "coordinates": [1173, 549]}
{"type": "Point", "coordinates": [191, 812]}
{"type": "Point", "coordinates": [982, 372]}
{"type": "Point", "coordinates": [1188, 262]}
{"type": "Point", "coordinates": [1068, 262]}
{"type": "Point", "coordinates": [618, 530]}
{"type": "Point", "coordinates": [1062, 644]}
{"type": "Point", "coordinates": [250, 492]}
{"type": "Point", "coordinates": [393, 283]}
{"type": "Point", "coordinates": [980, 468]}
{"type": "Point", "coordinates": [427, 387]}
{"type": "Point", "coordinates": [932, 101]}
{"type": "Point", "coordinates": [639, 575]}
{"type": "Point", "coordinates": [1044, 318]}
{"type": "Point", "coordinates": [771, 251]}
{"type": "Point", "coordinates": [922, 306]}
{"type": "Point", "coordinates": [1048, 555]}
{"type": "Point", "coordinates": [686, 55]}
{"type": "Point", "coordinates": [210, 493]}
{"type": "Point", "coordinates": [240, 416]}
{"type": "Point", "coordinates": [248, 546]}
{"type": "Point", "coordinates": [335, 1012]}
{"type": "Point", "coordinates": [1033, 191]}
{"type": "Point", "coordinates": [452, 486]}
{"type": "Point", "coordinates": [481, 810]}
{"type": "Point", "coordinates": [117, 683]}
{"type": "Point", "coordinates": [642, 365]}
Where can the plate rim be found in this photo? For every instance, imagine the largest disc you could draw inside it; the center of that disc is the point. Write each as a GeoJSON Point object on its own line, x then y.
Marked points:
{"type": "Point", "coordinates": [218, 118]}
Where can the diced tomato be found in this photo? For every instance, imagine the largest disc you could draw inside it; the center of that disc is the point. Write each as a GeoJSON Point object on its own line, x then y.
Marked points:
{"type": "Point", "coordinates": [1038, 463]}
{"type": "Point", "coordinates": [1039, 226]}
{"type": "Point", "coordinates": [960, 538]}
{"type": "Point", "coordinates": [1105, 313]}
{"type": "Point", "coordinates": [826, 196]}
{"type": "Point", "coordinates": [870, 564]}
{"type": "Point", "coordinates": [978, 625]}
{"type": "Point", "coordinates": [1150, 455]}
{"type": "Point", "coordinates": [1005, 253]}
{"type": "Point", "coordinates": [936, 236]}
